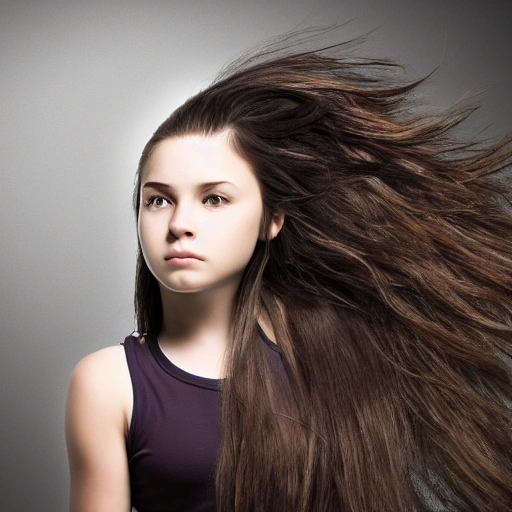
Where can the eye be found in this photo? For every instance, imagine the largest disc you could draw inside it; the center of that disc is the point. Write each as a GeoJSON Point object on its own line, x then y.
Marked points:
{"type": "Point", "coordinates": [157, 202]}
{"type": "Point", "coordinates": [215, 200]}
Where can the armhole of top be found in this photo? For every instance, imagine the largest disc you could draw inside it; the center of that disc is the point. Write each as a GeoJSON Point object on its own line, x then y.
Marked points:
{"type": "Point", "coordinates": [129, 347]}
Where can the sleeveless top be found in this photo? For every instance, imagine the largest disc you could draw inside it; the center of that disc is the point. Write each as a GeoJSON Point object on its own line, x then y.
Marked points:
{"type": "Point", "coordinates": [175, 431]}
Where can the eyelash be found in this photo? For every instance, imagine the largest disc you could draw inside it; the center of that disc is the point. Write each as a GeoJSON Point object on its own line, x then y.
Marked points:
{"type": "Point", "coordinates": [223, 200]}
{"type": "Point", "coordinates": [151, 200]}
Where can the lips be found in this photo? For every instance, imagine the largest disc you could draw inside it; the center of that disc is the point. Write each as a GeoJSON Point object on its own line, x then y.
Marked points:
{"type": "Point", "coordinates": [181, 255]}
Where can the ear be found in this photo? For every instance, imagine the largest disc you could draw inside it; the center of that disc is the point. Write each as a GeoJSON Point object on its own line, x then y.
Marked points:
{"type": "Point", "coordinates": [276, 223]}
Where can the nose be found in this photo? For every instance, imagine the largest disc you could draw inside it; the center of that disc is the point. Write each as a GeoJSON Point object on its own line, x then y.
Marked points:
{"type": "Point", "coordinates": [181, 222]}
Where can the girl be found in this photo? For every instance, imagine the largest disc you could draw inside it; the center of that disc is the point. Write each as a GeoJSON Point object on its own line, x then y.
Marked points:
{"type": "Point", "coordinates": [323, 295]}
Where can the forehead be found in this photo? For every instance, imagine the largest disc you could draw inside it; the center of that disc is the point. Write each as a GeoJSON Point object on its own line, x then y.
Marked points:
{"type": "Point", "coordinates": [197, 158]}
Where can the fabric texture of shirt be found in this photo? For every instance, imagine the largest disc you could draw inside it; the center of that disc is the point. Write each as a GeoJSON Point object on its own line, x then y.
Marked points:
{"type": "Point", "coordinates": [175, 431]}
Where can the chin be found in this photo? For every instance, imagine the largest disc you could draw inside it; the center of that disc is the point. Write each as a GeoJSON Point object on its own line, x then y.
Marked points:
{"type": "Point", "coordinates": [185, 288]}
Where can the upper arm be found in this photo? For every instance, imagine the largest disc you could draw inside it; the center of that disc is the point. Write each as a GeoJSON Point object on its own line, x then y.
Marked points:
{"type": "Point", "coordinates": [96, 424]}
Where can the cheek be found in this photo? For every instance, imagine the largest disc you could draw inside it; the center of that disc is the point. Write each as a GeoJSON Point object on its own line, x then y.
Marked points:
{"type": "Point", "coordinates": [141, 231]}
{"type": "Point", "coordinates": [247, 225]}
{"type": "Point", "coordinates": [147, 232]}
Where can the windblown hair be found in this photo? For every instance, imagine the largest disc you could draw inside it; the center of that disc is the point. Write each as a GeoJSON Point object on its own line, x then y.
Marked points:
{"type": "Point", "coordinates": [388, 289]}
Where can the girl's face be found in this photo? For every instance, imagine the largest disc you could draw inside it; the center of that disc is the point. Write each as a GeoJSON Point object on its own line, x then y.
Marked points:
{"type": "Point", "coordinates": [200, 213]}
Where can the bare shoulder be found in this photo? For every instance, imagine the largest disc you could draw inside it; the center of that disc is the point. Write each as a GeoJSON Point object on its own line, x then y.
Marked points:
{"type": "Point", "coordinates": [97, 418]}
{"type": "Point", "coordinates": [106, 366]}
{"type": "Point", "coordinates": [101, 381]}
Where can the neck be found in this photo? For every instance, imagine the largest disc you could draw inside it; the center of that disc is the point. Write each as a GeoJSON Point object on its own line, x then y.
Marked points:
{"type": "Point", "coordinates": [187, 314]}
{"type": "Point", "coordinates": [196, 329]}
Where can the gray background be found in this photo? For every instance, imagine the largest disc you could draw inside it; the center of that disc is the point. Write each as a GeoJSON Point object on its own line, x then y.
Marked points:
{"type": "Point", "coordinates": [83, 85]}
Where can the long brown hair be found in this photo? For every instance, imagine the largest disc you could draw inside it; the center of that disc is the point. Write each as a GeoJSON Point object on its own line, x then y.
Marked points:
{"type": "Point", "coordinates": [388, 289]}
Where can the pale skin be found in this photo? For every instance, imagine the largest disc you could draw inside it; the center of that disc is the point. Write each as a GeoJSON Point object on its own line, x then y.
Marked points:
{"type": "Point", "coordinates": [199, 221]}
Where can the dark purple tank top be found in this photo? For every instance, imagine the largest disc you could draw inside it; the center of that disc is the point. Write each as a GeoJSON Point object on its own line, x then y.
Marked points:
{"type": "Point", "coordinates": [174, 433]}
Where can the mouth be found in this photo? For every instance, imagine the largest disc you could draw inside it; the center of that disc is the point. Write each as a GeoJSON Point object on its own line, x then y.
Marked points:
{"type": "Point", "coordinates": [181, 258]}
{"type": "Point", "coordinates": [181, 255]}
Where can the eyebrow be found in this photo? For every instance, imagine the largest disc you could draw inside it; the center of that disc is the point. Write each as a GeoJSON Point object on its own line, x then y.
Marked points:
{"type": "Point", "coordinates": [202, 186]}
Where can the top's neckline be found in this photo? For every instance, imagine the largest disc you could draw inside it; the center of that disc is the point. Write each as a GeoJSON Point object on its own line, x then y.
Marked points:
{"type": "Point", "coordinates": [196, 380]}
